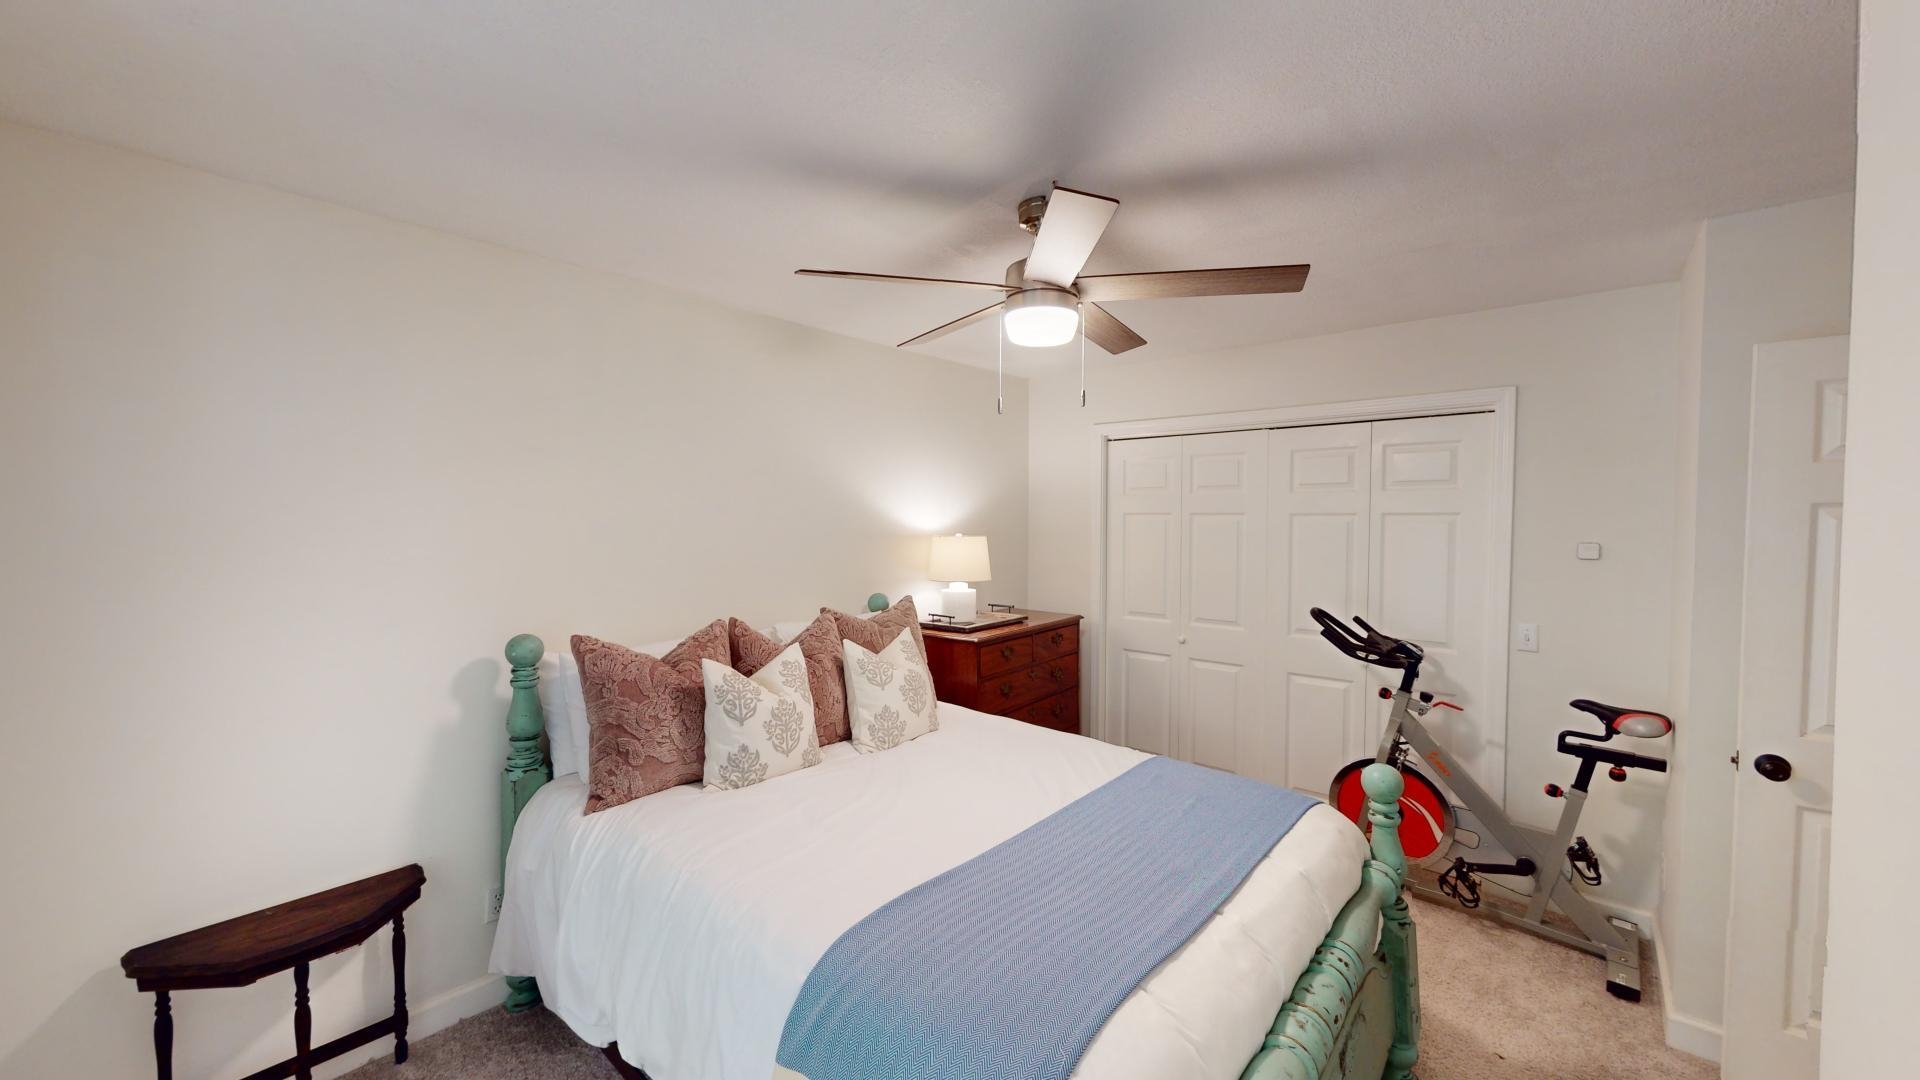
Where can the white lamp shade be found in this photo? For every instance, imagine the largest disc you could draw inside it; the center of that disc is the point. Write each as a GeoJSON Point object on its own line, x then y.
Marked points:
{"type": "Point", "coordinates": [959, 558]}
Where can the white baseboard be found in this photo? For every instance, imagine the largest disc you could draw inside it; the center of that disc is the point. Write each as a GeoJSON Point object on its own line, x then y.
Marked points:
{"type": "Point", "coordinates": [1687, 1034]}
{"type": "Point", "coordinates": [434, 1014]}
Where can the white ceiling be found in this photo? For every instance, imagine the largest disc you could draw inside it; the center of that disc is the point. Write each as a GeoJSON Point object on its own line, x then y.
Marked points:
{"type": "Point", "coordinates": [1425, 158]}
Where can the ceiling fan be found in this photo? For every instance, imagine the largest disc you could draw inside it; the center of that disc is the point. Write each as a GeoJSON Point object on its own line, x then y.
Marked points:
{"type": "Point", "coordinates": [1045, 299]}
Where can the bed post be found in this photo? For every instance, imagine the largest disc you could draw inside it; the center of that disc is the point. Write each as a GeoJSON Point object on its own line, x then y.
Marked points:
{"type": "Point", "coordinates": [527, 769]}
{"type": "Point", "coordinates": [1386, 873]}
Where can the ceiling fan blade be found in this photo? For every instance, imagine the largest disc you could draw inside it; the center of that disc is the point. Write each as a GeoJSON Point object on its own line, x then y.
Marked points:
{"type": "Point", "coordinates": [1231, 281]}
{"type": "Point", "coordinates": [1108, 332]}
{"type": "Point", "coordinates": [850, 275]}
{"type": "Point", "coordinates": [1069, 229]}
{"type": "Point", "coordinates": [947, 328]}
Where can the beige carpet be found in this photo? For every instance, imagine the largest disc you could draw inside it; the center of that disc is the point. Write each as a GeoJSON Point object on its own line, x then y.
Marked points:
{"type": "Point", "coordinates": [1499, 1004]}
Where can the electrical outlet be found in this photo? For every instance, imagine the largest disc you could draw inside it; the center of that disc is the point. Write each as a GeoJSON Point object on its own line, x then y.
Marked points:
{"type": "Point", "coordinates": [1529, 637]}
{"type": "Point", "coordinates": [494, 899]}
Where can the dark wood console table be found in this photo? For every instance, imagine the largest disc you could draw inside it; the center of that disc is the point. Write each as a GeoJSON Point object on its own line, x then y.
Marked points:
{"type": "Point", "coordinates": [291, 935]}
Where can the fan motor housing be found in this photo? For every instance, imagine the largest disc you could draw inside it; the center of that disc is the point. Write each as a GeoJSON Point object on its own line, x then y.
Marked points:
{"type": "Point", "coordinates": [1017, 279]}
{"type": "Point", "coordinates": [1032, 209]}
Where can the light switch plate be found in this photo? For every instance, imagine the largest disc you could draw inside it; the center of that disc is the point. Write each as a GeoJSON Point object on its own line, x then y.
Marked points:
{"type": "Point", "coordinates": [1586, 549]}
{"type": "Point", "coordinates": [1528, 637]}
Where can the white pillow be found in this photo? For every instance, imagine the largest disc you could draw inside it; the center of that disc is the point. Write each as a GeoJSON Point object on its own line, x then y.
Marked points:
{"type": "Point", "coordinates": [759, 727]}
{"type": "Point", "coordinates": [889, 695]}
{"type": "Point", "coordinates": [786, 631]}
{"type": "Point", "coordinates": [564, 706]}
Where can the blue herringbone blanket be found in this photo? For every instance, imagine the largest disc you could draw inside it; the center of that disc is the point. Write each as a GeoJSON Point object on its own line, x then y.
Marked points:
{"type": "Point", "coordinates": [1007, 965]}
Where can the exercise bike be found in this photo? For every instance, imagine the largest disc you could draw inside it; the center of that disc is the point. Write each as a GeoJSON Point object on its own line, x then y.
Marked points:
{"type": "Point", "coordinates": [1434, 827]}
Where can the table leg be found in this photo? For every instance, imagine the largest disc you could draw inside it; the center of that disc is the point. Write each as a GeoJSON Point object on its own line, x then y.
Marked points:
{"type": "Point", "coordinates": [163, 1034]}
{"type": "Point", "coordinates": [302, 1024]}
{"type": "Point", "coordinates": [399, 990]}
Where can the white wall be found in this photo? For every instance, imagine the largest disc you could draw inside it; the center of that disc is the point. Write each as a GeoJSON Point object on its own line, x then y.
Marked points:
{"type": "Point", "coordinates": [1871, 993]}
{"type": "Point", "coordinates": [281, 479]}
{"type": "Point", "coordinates": [1770, 275]}
{"type": "Point", "coordinates": [1595, 444]}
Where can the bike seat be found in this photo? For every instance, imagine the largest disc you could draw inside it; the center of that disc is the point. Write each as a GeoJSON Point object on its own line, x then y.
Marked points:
{"type": "Point", "coordinates": [1639, 723]}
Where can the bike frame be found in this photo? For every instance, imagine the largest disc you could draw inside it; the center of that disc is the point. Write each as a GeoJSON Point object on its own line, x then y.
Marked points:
{"type": "Point", "coordinates": [1551, 884]}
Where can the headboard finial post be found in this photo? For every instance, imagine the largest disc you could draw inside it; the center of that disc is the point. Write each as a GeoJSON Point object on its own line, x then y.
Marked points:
{"type": "Point", "coordinates": [527, 770]}
{"type": "Point", "coordinates": [524, 717]}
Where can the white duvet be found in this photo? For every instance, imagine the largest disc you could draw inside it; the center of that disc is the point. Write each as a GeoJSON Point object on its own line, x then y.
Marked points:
{"type": "Point", "coordinates": [682, 925]}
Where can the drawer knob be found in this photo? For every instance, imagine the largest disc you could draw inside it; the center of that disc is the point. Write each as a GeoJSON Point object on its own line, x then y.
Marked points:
{"type": "Point", "coordinates": [1058, 708]}
{"type": "Point", "coordinates": [1058, 637]}
{"type": "Point", "coordinates": [1006, 689]}
{"type": "Point", "coordinates": [1006, 652]}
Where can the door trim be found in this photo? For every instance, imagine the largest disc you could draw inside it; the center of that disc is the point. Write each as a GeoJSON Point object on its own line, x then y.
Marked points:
{"type": "Point", "coordinates": [1498, 400]}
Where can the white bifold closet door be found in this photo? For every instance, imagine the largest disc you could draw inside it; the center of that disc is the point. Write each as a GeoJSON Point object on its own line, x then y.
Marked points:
{"type": "Point", "coordinates": [1217, 547]}
{"type": "Point", "coordinates": [1186, 603]}
{"type": "Point", "coordinates": [1319, 494]}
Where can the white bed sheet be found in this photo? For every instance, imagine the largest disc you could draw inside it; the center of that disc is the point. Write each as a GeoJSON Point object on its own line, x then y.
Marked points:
{"type": "Point", "coordinates": [683, 924]}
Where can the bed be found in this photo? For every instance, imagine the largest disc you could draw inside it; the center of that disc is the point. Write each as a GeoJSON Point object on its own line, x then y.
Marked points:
{"type": "Point", "coordinates": [677, 930]}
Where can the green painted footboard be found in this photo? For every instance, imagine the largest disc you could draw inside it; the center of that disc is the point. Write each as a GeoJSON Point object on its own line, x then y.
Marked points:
{"type": "Point", "coordinates": [1355, 1012]}
{"type": "Point", "coordinates": [1353, 1015]}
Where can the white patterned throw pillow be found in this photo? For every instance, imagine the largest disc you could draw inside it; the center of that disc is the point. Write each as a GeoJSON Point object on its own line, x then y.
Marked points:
{"type": "Point", "coordinates": [758, 726]}
{"type": "Point", "coordinates": [889, 695]}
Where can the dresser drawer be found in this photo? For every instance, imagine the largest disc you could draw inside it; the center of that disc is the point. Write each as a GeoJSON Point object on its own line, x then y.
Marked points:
{"type": "Point", "coordinates": [1006, 692]}
{"type": "Point", "coordinates": [1055, 643]}
{"type": "Point", "coordinates": [1005, 656]}
{"type": "Point", "coordinates": [1053, 676]}
{"type": "Point", "coordinates": [1060, 712]}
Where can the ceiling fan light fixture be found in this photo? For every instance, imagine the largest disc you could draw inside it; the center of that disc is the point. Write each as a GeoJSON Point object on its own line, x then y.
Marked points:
{"type": "Point", "coordinates": [1042, 318]}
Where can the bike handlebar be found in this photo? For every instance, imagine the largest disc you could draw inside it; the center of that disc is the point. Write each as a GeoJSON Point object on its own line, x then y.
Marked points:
{"type": "Point", "coordinates": [1372, 647]}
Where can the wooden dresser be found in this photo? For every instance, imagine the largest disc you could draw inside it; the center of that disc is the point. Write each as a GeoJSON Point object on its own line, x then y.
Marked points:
{"type": "Point", "coordinates": [1029, 671]}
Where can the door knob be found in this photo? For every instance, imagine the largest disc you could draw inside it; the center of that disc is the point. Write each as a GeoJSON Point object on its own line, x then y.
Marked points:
{"type": "Point", "coordinates": [1181, 640]}
{"type": "Point", "coordinates": [1773, 767]}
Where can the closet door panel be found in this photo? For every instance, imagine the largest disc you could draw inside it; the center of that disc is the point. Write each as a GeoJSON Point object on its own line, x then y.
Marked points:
{"type": "Point", "coordinates": [1221, 681]}
{"type": "Point", "coordinates": [1432, 508]}
{"type": "Point", "coordinates": [1143, 592]}
{"type": "Point", "coordinates": [1318, 496]}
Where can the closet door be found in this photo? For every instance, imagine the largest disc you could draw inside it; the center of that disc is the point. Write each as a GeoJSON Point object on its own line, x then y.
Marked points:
{"type": "Point", "coordinates": [1143, 592]}
{"type": "Point", "coordinates": [1221, 682]}
{"type": "Point", "coordinates": [1430, 548]}
{"type": "Point", "coordinates": [1318, 498]}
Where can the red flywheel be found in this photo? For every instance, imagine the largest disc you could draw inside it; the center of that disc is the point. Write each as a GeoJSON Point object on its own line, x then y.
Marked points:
{"type": "Point", "coordinates": [1426, 817]}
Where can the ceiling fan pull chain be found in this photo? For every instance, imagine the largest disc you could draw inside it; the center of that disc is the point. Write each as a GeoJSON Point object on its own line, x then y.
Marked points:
{"type": "Point", "coordinates": [1000, 371]}
{"type": "Point", "coordinates": [1081, 310]}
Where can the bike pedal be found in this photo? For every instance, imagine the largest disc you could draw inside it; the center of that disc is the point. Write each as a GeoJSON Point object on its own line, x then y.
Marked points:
{"type": "Point", "coordinates": [1459, 883]}
{"type": "Point", "coordinates": [1584, 861]}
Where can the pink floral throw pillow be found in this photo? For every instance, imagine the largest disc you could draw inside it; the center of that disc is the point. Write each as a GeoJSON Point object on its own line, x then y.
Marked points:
{"type": "Point", "coordinates": [646, 717]}
{"type": "Point", "coordinates": [872, 634]}
{"type": "Point", "coordinates": [820, 647]}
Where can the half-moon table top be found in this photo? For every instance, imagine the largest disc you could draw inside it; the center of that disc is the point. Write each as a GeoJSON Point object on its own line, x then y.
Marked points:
{"type": "Point", "coordinates": [241, 950]}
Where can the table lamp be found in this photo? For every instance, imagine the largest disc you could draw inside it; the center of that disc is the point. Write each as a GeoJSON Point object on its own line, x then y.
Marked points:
{"type": "Point", "coordinates": [959, 559]}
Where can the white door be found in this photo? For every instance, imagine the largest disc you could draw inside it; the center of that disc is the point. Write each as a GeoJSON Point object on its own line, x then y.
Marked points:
{"type": "Point", "coordinates": [1431, 550]}
{"type": "Point", "coordinates": [1220, 681]}
{"type": "Point", "coordinates": [1143, 592]}
{"type": "Point", "coordinates": [1318, 483]}
{"type": "Point", "coordinates": [1777, 934]}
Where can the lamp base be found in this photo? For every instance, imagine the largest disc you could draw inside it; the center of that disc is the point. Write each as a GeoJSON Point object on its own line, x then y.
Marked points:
{"type": "Point", "coordinates": [959, 602]}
